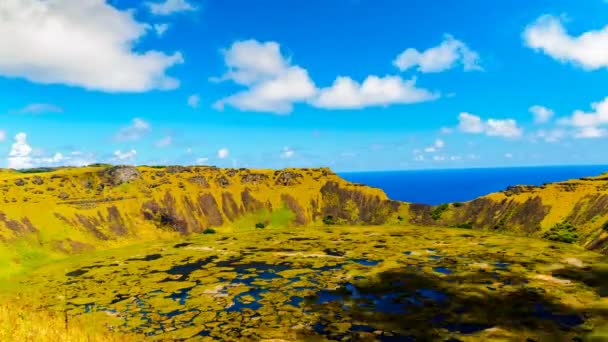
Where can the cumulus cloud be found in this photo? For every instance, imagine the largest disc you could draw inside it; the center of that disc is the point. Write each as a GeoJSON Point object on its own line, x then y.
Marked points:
{"type": "Point", "coordinates": [588, 124]}
{"type": "Point", "coordinates": [88, 44]}
{"type": "Point", "coordinates": [22, 156]}
{"type": "Point", "coordinates": [436, 146]}
{"type": "Point", "coordinates": [287, 152]}
{"type": "Point", "coordinates": [2, 135]}
{"type": "Point", "coordinates": [450, 53]}
{"type": "Point", "coordinates": [590, 132]}
{"type": "Point", "coordinates": [551, 136]}
{"type": "Point", "coordinates": [40, 108]}
{"type": "Point", "coordinates": [164, 142]}
{"type": "Point", "coordinates": [202, 160]}
{"type": "Point", "coordinates": [168, 7]}
{"type": "Point", "coordinates": [160, 29]}
{"type": "Point", "coordinates": [126, 156]}
{"type": "Point", "coordinates": [273, 83]}
{"type": "Point", "coordinates": [541, 114]}
{"type": "Point", "coordinates": [19, 156]}
{"type": "Point", "coordinates": [135, 131]}
{"type": "Point", "coordinates": [223, 153]}
{"type": "Point", "coordinates": [470, 123]}
{"type": "Point", "coordinates": [194, 100]}
{"type": "Point", "coordinates": [589, 50]}
{"type": "Point", "coordinates": [346, 93]}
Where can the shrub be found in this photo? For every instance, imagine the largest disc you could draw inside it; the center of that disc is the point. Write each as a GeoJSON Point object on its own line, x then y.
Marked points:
{"type": "Point", "coordinates": [436, 213]}
{"type": "Point", "coordinates": [260, 225]}
{"type": "Point", "coordinates": [329, 220]}
{"type": "Point", "coordinates": [457, 204]}
{"type": "Point", "coordinates": [467, 225]}
{"type": "Point", "coordinates": [562, 232]}
{"type": "Point", "coordinates": [605, 226]}
{"type": "Point", "coordinates": [209, 231]}
{"type": "Point", "coordinates": [400, 218]}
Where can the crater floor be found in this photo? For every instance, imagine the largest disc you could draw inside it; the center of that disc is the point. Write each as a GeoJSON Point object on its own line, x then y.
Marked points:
{"type": "Point", "coordinates": [334, 283]}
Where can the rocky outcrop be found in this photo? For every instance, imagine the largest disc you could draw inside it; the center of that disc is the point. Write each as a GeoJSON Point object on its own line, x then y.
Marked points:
{"type": "Point", "coordinates": [120, 174]}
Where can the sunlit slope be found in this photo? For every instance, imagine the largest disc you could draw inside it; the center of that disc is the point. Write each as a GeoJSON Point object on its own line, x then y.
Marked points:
{"type": "Point", "coordinates": [70, 210]}
{"type": "Point", "coordinates": [533, 210]}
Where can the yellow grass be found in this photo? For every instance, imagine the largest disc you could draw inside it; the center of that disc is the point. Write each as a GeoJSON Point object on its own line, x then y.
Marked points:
{"type": "Point", "coordinates": [24, 323]}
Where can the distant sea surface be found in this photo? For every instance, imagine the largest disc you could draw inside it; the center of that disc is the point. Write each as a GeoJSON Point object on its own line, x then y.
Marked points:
{"type": "Point", "coordinates": [461, 185]}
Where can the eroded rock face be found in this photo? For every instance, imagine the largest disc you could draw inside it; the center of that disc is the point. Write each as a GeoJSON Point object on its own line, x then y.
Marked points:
{"type": "Point", "coordinates": [222, 181]}
{"type": "Point", "coordinates": [287, 178]}
{"type": "Point", "coordinates": [121, 174]}
{"type": "Point", "coordinates": [177, 169]}
{"type": "Point", "coordinates": [254, 178]}
{"type": "Point", "coordinates": [199, 180]}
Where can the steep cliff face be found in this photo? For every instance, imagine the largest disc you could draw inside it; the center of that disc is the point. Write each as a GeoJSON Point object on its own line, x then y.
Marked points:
{"type": "Point", "coordinates": [72, 209]}
{"type": "Point", "coordinates": [532, 210]}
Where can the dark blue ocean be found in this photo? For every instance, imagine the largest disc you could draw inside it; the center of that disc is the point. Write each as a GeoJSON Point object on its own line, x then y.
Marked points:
{"type": "Point", "coordinates": [461, 185]}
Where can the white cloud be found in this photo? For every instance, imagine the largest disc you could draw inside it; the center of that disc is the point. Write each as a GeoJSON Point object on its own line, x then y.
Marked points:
{"type": "Point", "coordinates": [287, 152]}
{"type": "Point", "coordinates": [446, 55]}
{"type": "Point", "coordinates": [503, 128]}
{"type": "Point", "coordinates": [437, 145]}
{"type": "Point", "coordinates": [508, 155]}
{"type": "Point", "coordinates": [40, 108]}
{"type": "Point", "coordinates": [346, 93]}
{"type": "Point", "coordinates": [19, 156]}
{"type": "Point", "coordinates": [588, 123]}
{"type": "Point", "coordinates": [88, 44]}
{"type": "Point", "coordinates": [160, 29]}
{"type": "Point", "coordinates": [588, 50]}
{"type": "Point", "coordinates": [470, 123]}
{"type": "Point", "coordinates": [2, 135]}
{"type": "Point", "coordinates": [202, 160]}
{"type": "Point", "coordinates": [223, 153]}
{"type": "Point", "coordinates": [273, 83]}
{"type": "Point", "coordinates": [194, 100]}
{"type": "Point", "coordinates": [551, 136]}
{"type": "Point", "coordinates": [446, 130]}
{"type": "Point", "coordinates": [590, 132]}
{"type": "Point", "coordinates": [168, 7]}
{"type": "Point", "coordinates": [125, 156]}
{"type": "Point", "coordinates": [164, 142]}
{"type": "Point", "coordinates": [541, 114]}
{"type": "Point", "coordinates": [22, 156]}
{"type": "Point", "coordinates": [135, 131]}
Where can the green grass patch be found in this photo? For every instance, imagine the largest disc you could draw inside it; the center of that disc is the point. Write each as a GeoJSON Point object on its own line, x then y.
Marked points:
{"type": "Point", "coordinates": [438, 211]}
{"type": "Point", "coordinates": [562, 232]}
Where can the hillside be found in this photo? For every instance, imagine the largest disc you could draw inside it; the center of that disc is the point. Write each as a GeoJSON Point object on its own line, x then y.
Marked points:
{"type": "Point", "coordinates": [532, 211]}
{"type": "Point", "coordinates": [70, 210]}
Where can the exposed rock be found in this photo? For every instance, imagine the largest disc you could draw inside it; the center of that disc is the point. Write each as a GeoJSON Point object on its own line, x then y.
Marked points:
{"type": "Point", "coordinates": [222, 181]}
{"type": "Point", "coordinates": [231, 173]}
{"type": "Point", "coordinates": [254, 178]}
{"type": "Point", "coordinates": [121, 174]}
{"type": "Point", "coordinates": [159, 174]}
{"type": "Point", "coordinates": [63, 195]}
{"type": "Point", "coordinates": [177, 169]}
{"type": "Point", "coordinates": [287, 178]}
{"type": "Point", "coordinates": [37, 180]}
{"type": "Point", "coordinates": [199, 180]}
{"type": "Point", "coordinates": [20, 182]}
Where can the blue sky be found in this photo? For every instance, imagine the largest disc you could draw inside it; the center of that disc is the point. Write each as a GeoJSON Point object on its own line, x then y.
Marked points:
{"type": "Point", "coordinates": [349, 84]}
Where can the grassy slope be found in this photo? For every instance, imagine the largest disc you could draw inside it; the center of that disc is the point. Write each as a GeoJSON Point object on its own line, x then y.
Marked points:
{"type": "Point", "coordinates": [532, 211]}
{"type": "Point", "coordinates": [45, 216]}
